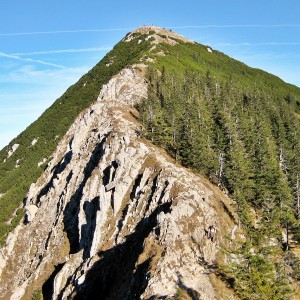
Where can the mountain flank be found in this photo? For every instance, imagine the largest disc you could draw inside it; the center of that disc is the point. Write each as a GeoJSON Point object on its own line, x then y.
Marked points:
{"type": "Point", "coordinates": [169, 171]}
{"type": "Point", "coordinates": [114, 211]}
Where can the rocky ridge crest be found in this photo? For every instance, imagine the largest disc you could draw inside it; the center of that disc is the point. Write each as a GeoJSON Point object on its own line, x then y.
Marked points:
{"type": "Point", "coordinates": [114, 215]}
{"type": "Point", "coordinates": [158, 35]}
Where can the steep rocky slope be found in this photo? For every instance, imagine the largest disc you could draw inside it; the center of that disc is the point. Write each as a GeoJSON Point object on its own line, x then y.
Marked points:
{"type": "Point", "coordinates": [110, 215]}
{"type": "Point", "coordinates": [113, 216]}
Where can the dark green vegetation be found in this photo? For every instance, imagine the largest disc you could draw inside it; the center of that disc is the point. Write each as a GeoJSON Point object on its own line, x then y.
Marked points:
{"type": "Point", "coordinates": [51, 127]}
{"type": "Point", "coordinates": [37, 295]}
{"type": "Point", "coordinates": [236, 125]}
{"type": "Point", "coordinates": [239, 127]}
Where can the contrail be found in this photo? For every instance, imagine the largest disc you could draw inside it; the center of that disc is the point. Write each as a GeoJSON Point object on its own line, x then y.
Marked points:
{"type": "Point", "coordinates": [64, 51]}
{"type": "Point", "coordinates": [171, 27]}
{"type": "Point", "coordinates": [64, 31]}
{"type": "Point", "coordinates": [236, 26]}
{"type": "Point", "coordinates": [258, 44]}
{"type": "Point", "coordinates": [31, 60]}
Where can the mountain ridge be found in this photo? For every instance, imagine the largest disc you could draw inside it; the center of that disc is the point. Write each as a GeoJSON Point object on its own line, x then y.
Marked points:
{"type": "Point", "coordinates": [138, 183]}
{"type": "Point", "coordinates": [208, 112]}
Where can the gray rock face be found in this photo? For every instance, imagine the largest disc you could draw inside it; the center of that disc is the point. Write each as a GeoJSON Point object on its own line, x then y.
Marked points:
{"type": "Point", "coordinates": [12, 150]}
{"type": "Point", "coordinates": [30, 212]}
{"type": "Point", "coordinates": [114, 215]}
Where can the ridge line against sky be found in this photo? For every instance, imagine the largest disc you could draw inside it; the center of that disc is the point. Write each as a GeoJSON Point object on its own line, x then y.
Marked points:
{"type": "Point", "coordinates": [46, 46]}
{"type": "Point", "coordinates": [95, 49]}
{"type": "Point", "coordinates": [17, 55]}
{"type": "Point", "coordinates": [171, 27]}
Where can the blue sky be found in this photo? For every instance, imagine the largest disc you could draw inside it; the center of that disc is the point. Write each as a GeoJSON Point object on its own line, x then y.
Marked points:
{"type": "Point", "coordinates": [45, 46]}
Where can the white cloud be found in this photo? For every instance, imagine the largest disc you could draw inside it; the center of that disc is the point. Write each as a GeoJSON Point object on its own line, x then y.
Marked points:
{"type": "Point", "coordinates": [29, 74]}
{"type": "Point", "coordinates": [39, 89]}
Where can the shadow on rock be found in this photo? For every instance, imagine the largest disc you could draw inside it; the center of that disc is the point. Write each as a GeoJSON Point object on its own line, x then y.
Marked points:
{"type": "Point", "coordinates": [115, 275]}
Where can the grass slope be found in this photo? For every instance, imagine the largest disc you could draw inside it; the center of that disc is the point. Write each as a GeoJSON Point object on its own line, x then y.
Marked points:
{"type": "Point", "coordinates": [240, 127]}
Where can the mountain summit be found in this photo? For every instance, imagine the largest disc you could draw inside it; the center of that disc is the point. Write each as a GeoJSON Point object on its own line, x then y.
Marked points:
{"type": "Point", "coordinates": [157, 35]}
{"type": "Point", "coordinates": [169, 171]}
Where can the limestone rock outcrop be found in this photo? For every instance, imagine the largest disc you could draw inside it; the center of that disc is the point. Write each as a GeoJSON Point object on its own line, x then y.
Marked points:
{"type": "Point", "coordinates": [158, 35]}
{"type": "Point", "coordinates": [113, 215]}
{"type": "Point", "coordinates": [30, 212]}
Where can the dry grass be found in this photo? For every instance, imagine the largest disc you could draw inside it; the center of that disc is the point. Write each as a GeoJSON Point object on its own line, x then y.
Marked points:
{"type": "Point", "coordinates": [182, 295]}
{"type": "Point", "coordinates": [222, 292]}
{"type": "Point", "coordinates": [296, 251]}
{"type": "Point", "coordinates": [152, 251]}
{"type": "Point", "coordinates": [48, 269]}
